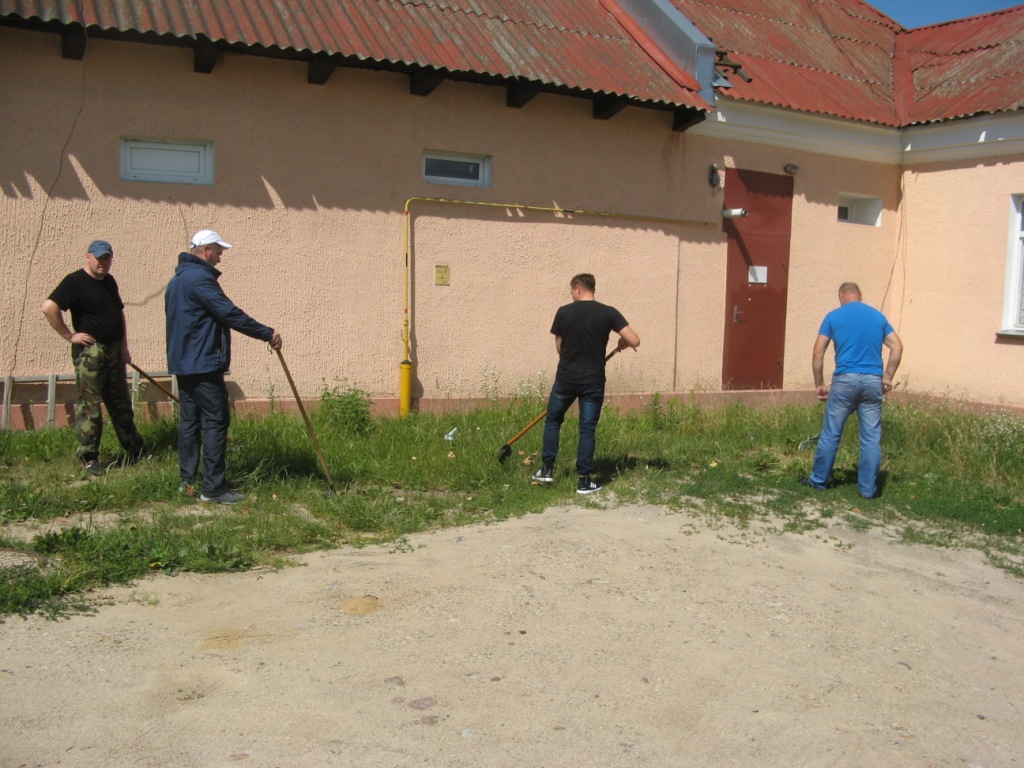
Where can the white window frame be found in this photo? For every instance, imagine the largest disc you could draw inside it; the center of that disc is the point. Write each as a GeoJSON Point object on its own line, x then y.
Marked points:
{"type": "Point", "coordinates": [862, 209]}
{"type": "Point", "coordinates": [482, 161]}
{"type": "Point", "coordinates": [183, 162]}
{"type": "Point", "coordinates": [1013, 298]}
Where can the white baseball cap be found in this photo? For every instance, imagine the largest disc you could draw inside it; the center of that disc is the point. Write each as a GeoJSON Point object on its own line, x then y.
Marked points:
{"type": "Point", "coordinates": [207, 237]}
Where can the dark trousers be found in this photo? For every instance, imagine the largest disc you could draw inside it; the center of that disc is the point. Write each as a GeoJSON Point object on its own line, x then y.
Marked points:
{"type": "Point", "coordinates": [591, 397]}
{"type": "Point", "coordinates": [203, 428]}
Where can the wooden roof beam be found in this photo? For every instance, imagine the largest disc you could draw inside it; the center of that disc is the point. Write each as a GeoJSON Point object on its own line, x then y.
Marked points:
{"type": "Point", "coordinates": [423, 82]}
{"type": "Point", "coordinates": [321, 66]}
{"type": "Point", "coordinates": [684, 119]}
{"type": "Point", "coordinates": [73, 41]}
{"type": "Point", "coordinates": [205, 55]}
{"type": "Point", "coordinates": [519, 94]}
{"type": "Point", "coordinates": [607, 107]}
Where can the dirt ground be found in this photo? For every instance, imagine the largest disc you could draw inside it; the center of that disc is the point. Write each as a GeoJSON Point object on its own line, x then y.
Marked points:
{"type": "Point", "coordinates": [622, 636]}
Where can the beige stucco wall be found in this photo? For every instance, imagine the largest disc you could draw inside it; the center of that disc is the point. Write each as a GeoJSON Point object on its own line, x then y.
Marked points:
{"type": "Point", "coordinates": [957, 222]}
{"type": "Point", "coordinates": [311, 186]}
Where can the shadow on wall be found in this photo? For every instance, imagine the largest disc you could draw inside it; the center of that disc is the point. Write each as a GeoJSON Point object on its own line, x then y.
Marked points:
{"type": "Point", "coordinates": [354, 143]}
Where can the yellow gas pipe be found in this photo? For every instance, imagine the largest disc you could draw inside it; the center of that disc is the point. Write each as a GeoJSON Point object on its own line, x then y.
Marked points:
{"type": "Point", "coordinates": [405, 368]}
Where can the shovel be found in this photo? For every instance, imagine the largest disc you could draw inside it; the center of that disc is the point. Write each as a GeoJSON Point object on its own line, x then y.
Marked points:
{"type": "Point", "coordinates": [506, 450]}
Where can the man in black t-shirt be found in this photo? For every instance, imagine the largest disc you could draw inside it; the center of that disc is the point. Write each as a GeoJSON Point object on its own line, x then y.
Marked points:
{"type": "Point", "coordinates": [99, 351]}
{"type": "Point", "coordinates": [581, 331]}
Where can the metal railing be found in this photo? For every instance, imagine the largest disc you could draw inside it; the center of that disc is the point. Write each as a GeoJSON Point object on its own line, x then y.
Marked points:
{"type": "Point", "coordinates": [51, 380]}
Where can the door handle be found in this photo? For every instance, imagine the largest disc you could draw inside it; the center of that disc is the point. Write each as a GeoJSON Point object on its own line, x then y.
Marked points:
{"type": "Point", "coordinates": [736, 314]}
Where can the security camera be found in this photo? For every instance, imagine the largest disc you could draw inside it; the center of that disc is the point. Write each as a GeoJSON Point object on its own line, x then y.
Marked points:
{"type": "Point", "coordinates": [734, 213]}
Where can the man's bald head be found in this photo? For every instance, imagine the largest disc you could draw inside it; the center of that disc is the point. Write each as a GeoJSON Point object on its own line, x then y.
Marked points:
{"type": "Point", "coordinates": [849, 292]}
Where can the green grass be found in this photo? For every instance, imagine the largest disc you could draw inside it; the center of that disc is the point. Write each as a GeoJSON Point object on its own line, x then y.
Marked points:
{"type": "Point", "coordinates": [950, 478]}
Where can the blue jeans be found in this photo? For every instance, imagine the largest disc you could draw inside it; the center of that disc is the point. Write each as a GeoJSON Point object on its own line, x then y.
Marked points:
{"type": "Point", "coordinates": [591, 397]}
{"type": "Point", "coordinates": [860, 392]}
{"type": "Point", "coordinates": [205, 415]}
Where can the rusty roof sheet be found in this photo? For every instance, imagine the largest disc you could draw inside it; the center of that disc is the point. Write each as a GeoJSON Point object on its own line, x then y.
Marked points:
{"type": "Point", "coordinates": [830, 57]}
{"type": "Point", "coordinates": [840, 58]}
{"type": "Point", "coordinates": [573, 45]}
{"type": "Point", "coordinates": [843, 58]}
{"type": "Point", "coordinates": [967, 67]}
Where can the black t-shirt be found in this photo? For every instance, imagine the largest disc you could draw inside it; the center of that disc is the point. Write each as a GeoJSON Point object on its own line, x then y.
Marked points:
{"type": "Point", "coordinates": [96, 306]}
{"type": "Point", "coordinates": [584, 327]}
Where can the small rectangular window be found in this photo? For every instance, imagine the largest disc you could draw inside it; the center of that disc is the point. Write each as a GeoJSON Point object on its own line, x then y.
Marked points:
{"type": "Point", "coordinates": [859, 209]}
{"type": "Point", "coordinates": [167, 161]}
{"type": "Point", "coordinates": [463, 170]}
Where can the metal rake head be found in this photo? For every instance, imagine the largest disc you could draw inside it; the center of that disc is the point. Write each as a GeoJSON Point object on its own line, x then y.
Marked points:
{"type": "Point", "coordinates": [808, 442]}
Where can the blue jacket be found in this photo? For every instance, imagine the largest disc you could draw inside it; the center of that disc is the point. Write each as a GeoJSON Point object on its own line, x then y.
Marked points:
{"type": "Point", "coordinates": [200, 318]}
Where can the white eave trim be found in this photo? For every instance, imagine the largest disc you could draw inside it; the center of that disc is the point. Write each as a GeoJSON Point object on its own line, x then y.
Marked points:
{"type": "Point", "coordinates": [967, 138]}
{"type": "Point", "coordinates": [797, 130]}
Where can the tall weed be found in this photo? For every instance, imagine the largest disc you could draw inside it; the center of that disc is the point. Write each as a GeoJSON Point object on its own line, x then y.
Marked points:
{"type": "Point", "coordinates": [942, 467]}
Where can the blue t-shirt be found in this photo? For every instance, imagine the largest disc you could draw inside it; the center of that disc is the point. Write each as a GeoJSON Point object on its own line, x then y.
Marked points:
{"type": "Point", "coordinates": [857, 331]}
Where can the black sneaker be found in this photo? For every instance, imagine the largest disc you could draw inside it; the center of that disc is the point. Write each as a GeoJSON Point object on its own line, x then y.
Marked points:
{"type": "Point", "coordinates": [545, 475]}
{"type": "Point", "coordinates": [587, 485]}
{"type": "Point", "coordinates": [93, 467]}
{"type": "Point", "coordinates": [186, 488]}
{"type": "Point", "coordinates": [224, 497]}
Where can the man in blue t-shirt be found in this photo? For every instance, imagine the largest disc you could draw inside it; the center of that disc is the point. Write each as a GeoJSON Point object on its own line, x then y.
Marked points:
{"type": "Point", "coordinates": [858, 384]}
{"type": "Point", "coordinates": [581, 332]}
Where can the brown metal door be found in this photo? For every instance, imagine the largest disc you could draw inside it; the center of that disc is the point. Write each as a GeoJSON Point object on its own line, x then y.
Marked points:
{"type": "Point", "coordinates": [757, 279]}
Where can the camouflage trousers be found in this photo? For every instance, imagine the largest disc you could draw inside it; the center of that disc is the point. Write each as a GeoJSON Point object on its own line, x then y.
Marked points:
{"type": "Point", "coordinates": [100, 377]}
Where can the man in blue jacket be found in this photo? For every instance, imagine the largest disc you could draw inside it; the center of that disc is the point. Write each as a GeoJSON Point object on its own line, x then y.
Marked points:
{"type": "Point", "coordinates": [858, 384]}
{"type": "Point", "coordinates": [200, 318]}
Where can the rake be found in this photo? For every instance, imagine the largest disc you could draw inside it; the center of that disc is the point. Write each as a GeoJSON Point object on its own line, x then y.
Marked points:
{"type": "Point", "coordinates": [155, 383]}
{"type": "Point", "coordinates": [305, 418]}
{"type": "Point", "coordinates": [808, 442]}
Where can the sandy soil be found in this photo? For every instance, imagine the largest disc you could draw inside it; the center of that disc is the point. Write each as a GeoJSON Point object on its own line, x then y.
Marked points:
{"type": "Point", "coordinates": [624, 636]}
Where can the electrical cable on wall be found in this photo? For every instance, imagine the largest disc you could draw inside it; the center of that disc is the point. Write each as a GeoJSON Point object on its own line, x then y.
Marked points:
{"type": "Point", "coordinates": [46, 205]}
{"type": "Point", "coordinates": [901, 243]}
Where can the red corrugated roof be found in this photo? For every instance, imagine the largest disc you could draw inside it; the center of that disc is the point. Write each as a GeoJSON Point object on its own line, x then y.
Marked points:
{"type": "Point", "coordinates": [845, 59]}
{"type": "Point", "coordinates": [840, 58]}
{"type": "Point", "coordinates": [968, 67]}
{"type": "Point", "coordinates": [830, 57]}
{"type": "Point", "coordinates": [576, 45]}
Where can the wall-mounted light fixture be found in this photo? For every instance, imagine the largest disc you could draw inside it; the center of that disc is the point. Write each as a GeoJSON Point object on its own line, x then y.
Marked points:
{"type": "Point", "coordinates": [791, 168]}
{"type": "Point", "coordinates": [734, 213]}
{"type": "Point", "coordinates": [714, 177]}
